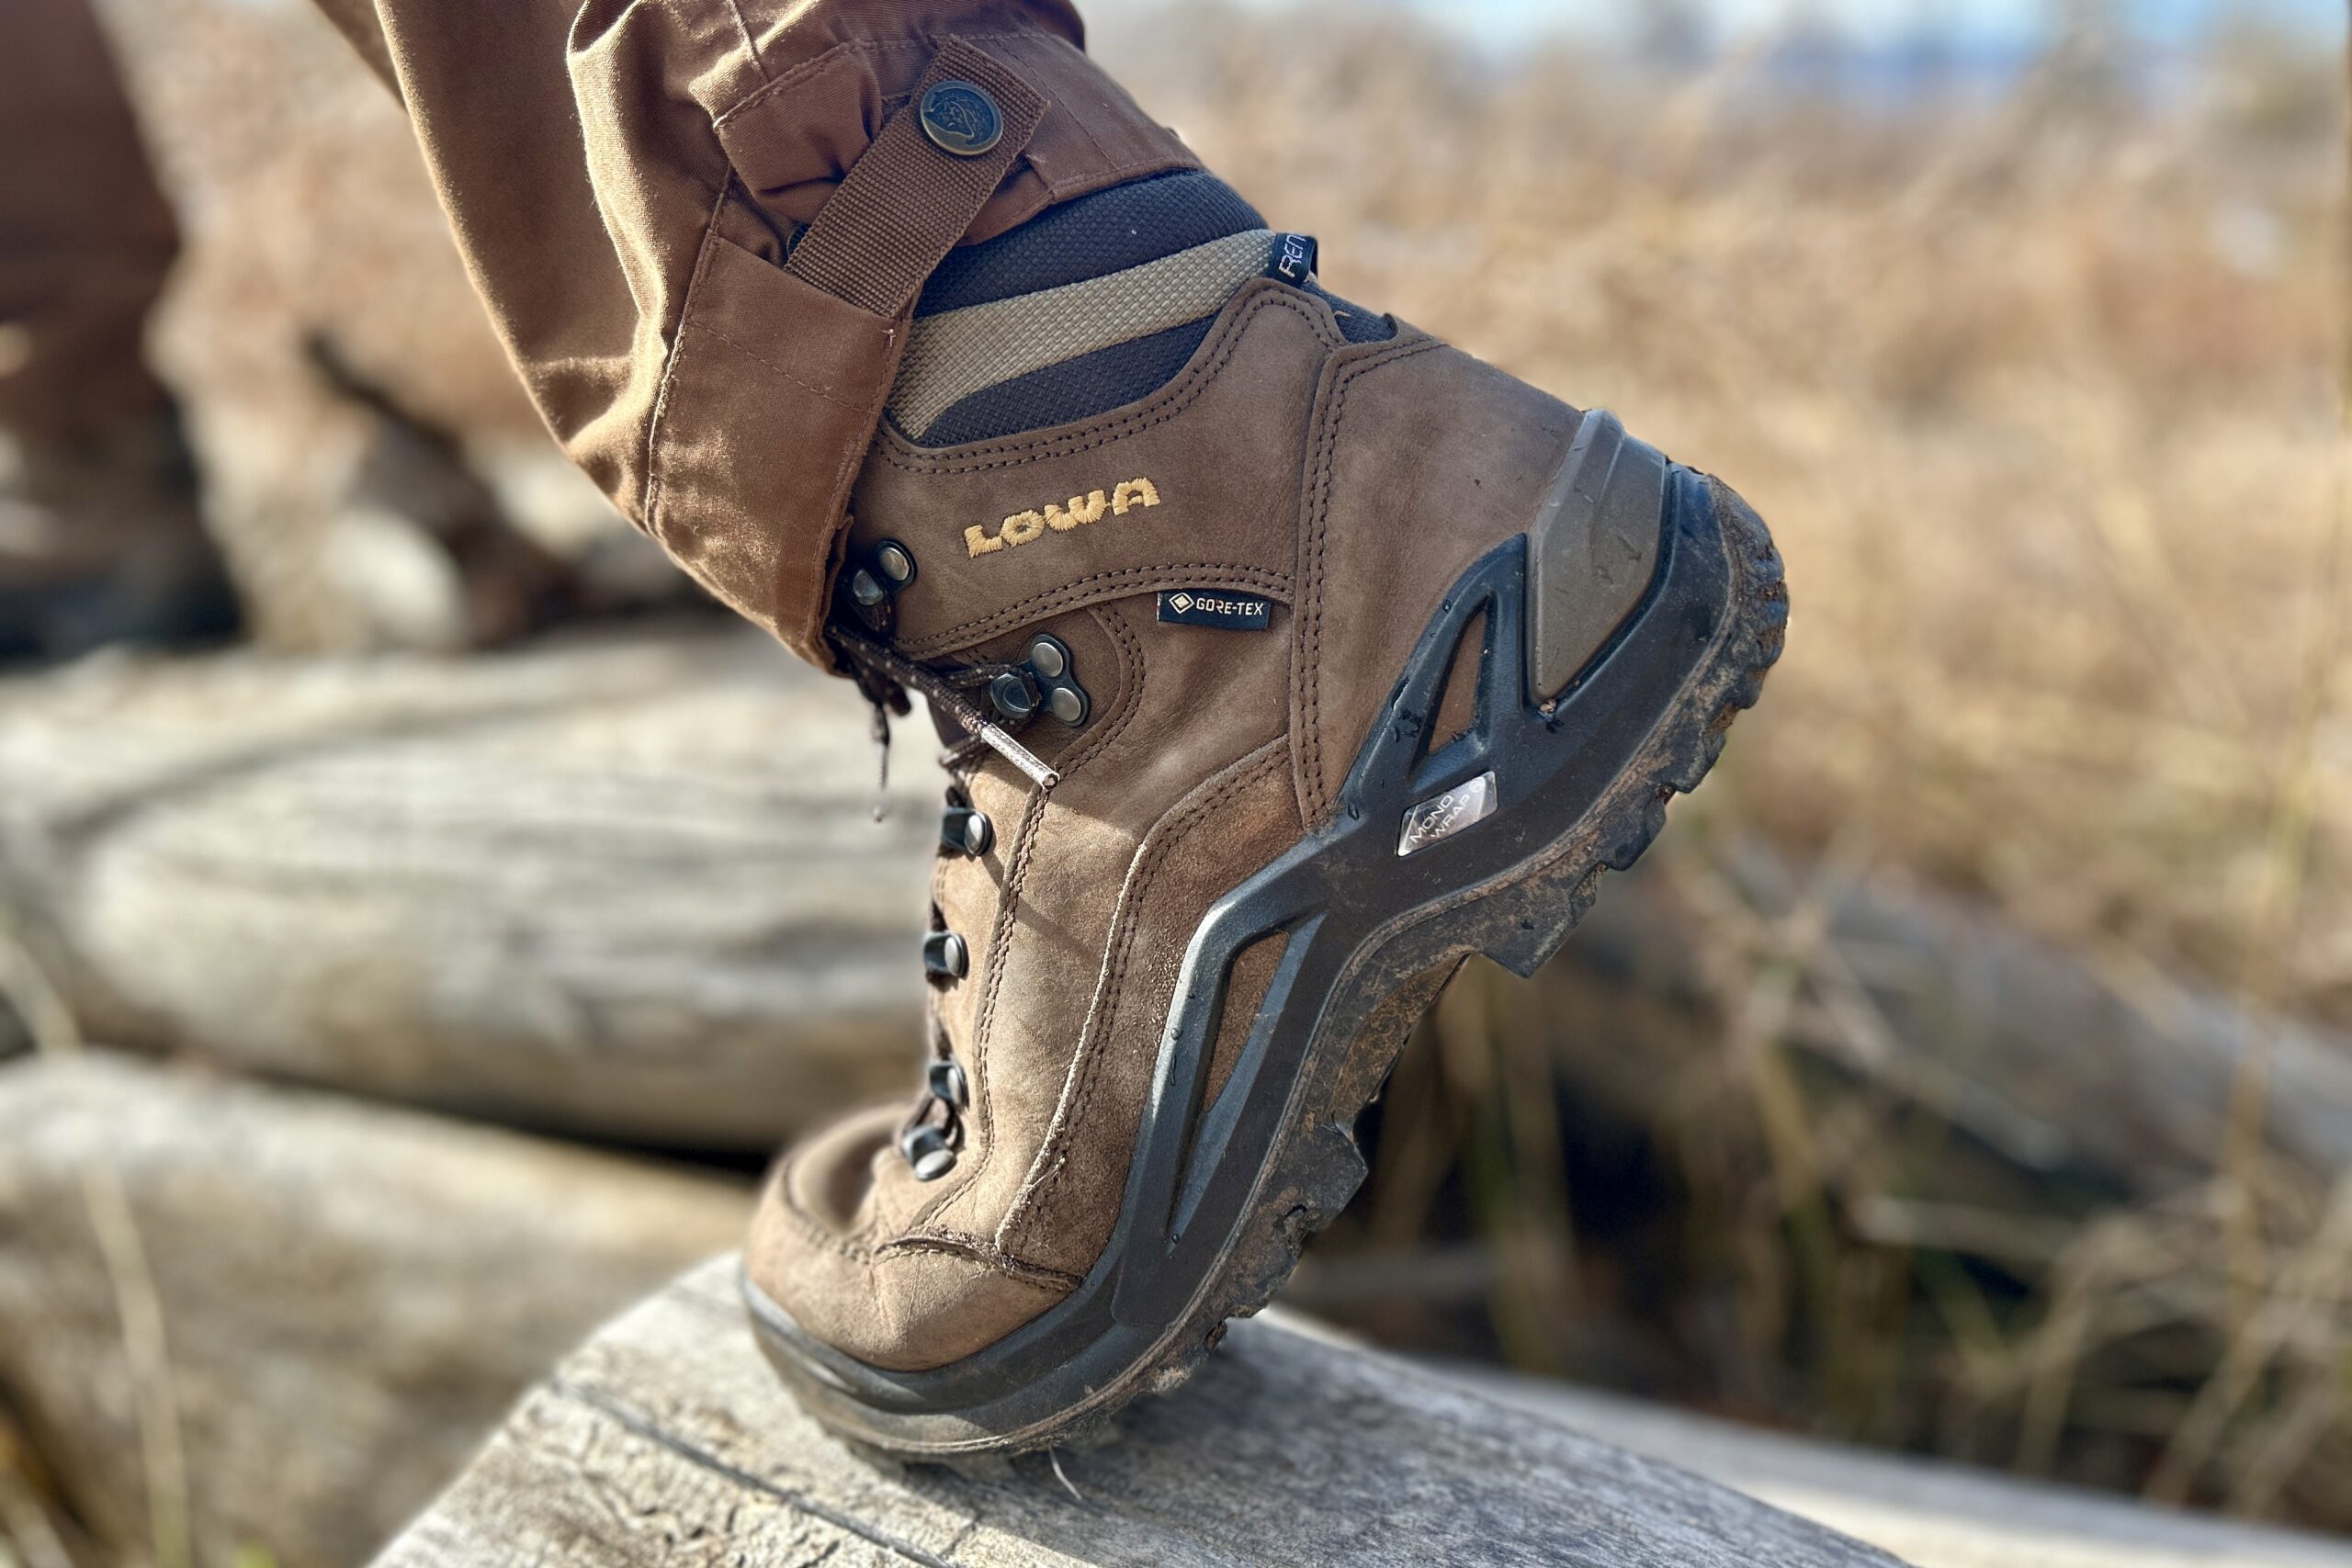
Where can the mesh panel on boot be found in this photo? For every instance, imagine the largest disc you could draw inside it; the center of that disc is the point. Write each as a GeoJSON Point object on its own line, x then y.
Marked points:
{"type": "Point", "coordinates": [952, 355]}
{"type": "Point", "coordinates": [1091, 305]}
{"type": "Point", "coordinates": [1075, 389]}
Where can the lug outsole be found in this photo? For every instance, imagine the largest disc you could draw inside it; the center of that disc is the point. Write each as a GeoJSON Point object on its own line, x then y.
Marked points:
{"type": "Point", "coordinates": [1320, 1168]}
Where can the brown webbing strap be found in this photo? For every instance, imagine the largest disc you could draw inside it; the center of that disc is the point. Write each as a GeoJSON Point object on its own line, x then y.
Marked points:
{"type": "Point", "coordinates": [905, 202]}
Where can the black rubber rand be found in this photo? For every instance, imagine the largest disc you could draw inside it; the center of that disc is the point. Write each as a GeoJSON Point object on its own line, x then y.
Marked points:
{"type": "Point", "coordinates": [1219, 1196]}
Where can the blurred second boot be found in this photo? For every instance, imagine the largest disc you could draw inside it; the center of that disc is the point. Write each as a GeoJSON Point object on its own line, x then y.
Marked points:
{"type": "Point", "coordinates": [102, 541]}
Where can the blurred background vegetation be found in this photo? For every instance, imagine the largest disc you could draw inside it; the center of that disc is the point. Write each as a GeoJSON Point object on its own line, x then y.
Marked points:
{"type": "Point", "coordinates": [1961, 1074]}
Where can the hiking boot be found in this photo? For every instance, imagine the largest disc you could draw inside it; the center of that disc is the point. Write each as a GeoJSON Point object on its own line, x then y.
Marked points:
{"type": "Point", "coordinates": [101, 542]}
{"type": "Point", "coordinates": [1286, 657]}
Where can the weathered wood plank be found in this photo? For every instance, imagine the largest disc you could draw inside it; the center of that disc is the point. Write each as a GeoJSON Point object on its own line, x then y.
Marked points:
{"type": "Point", "coordinates": [349, 1295]}
{"type": "Point", "coordinates": [1930, 1514]}
{"type": "Point", "coordinates": [626, 885]}
{"type": "Point", "coordinates": [633, 1499]}
{"type": "Point", "coordinates": [664, 1439]}
{"type": "Point", "coordinates": [667, 1439]}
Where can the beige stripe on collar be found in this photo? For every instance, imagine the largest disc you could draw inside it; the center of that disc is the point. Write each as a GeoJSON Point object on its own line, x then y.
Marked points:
{"type": "Point", "coordinates": [956, 353]}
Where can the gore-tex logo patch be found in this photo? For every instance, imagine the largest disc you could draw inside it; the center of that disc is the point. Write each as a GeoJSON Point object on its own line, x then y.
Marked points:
{"type": "Point", "coordinates": [1216, 608]}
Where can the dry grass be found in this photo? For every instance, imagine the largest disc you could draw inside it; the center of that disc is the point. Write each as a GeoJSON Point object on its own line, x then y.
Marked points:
{"type": "Point", "coordinates": [2041, 396]}
{"type": "Point", "coordinates": [31, 999]}
{"type": "Point", "coordinates": [2040, 402]}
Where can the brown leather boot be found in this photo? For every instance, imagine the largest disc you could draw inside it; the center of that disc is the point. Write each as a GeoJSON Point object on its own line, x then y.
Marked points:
{"type": "Point", "coordinates": [1273, 695]}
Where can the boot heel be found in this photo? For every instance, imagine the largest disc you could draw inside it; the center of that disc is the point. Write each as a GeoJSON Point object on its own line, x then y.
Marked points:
{"type": "Point", "coordinates": [1592, 551]}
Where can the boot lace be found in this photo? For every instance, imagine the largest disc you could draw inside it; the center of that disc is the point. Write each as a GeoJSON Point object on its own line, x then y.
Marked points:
{"type": "Point", "coordinates": [932, 1137]}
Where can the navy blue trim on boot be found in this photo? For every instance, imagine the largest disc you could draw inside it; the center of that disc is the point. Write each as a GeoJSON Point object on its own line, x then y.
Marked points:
{"type": "Point", "coordinates": [1109, 232]}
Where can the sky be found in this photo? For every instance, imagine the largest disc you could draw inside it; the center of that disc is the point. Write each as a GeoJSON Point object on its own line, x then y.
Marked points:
{"type": "Point", "coordinates": [1985, 22]}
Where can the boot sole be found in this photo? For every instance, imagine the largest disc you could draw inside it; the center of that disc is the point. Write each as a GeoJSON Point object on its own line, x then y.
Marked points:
{"type": "Point", "coordinates": [1435, 855]}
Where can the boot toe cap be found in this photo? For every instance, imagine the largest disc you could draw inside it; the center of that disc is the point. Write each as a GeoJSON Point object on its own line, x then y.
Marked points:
{"type": "Point", "coordinates": [820, 1249]}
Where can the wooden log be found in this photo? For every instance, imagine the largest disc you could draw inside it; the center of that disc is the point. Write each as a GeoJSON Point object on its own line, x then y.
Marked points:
{"type": "Point", "coordinates": [626, 885]}
{"type": "Point", "coordinates": [667, 1439]}
{"type": "Point", "coordinates": [2050, 1067]}
{"type": "Point", "coordinates": [1930, 1514]}
{"type": "Point", "coordinates": [345, 1296]}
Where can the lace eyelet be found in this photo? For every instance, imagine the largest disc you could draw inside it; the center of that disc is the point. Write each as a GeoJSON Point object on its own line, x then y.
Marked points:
{"type": "Point", "coordinates": [874, 583]}
{"type": "Point", "coordinates": [948, 1084]}
{"type": "Point", "coordinates": [945, 957]}
{"type": "Point", "coordinates": [965, 831]}
{"type": "Point", "coordinates": [928, 1151]}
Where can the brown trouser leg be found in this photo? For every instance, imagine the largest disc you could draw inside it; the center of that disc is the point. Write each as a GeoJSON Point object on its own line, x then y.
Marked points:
{"type": "Point", "coordinates": [85, 236]}
{"type": "Point", "coordinates": [625, 177]}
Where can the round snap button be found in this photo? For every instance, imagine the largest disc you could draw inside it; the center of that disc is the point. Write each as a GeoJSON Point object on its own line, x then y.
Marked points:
{"type": "Point", "coordinates": [961, 119]}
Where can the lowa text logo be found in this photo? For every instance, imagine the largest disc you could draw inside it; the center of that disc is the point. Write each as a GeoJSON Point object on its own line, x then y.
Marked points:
{"type": "Point", "coordinates": [1027, 527]}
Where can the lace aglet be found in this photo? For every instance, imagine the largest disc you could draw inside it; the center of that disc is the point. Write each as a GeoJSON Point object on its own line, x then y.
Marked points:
{"type": "Point", "coordinates": [884, 668]}
{"type": "Point", "coordinates": [1020, 756]}
{"type": "Point", "coordinates": [882, 763]}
